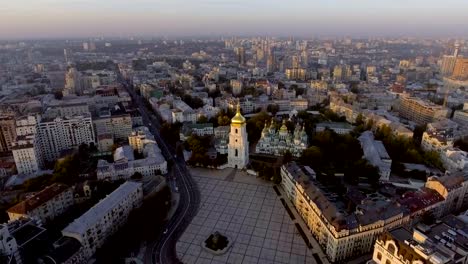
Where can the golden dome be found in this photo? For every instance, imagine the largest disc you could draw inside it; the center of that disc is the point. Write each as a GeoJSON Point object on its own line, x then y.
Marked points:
{"type": "Point", "coordinates": [284, 128]}
{"type": "Point", "coordinates": [238, 118]}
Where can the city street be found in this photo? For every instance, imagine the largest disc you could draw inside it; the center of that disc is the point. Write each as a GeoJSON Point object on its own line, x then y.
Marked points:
{"type": "Point", "coordinates": [162, 250]}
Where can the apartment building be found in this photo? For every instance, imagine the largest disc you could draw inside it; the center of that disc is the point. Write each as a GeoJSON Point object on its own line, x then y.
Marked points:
{"type": "Point", "coordinates": [7, 132]}
{"type": "Point", "coordinates": [118, 125]}
{"type": "Point", "coordinates": [62, 133]}
{"type": "Point", "coordinates": [419, 111]}
{"type": "Point", "coordinates": [106, 217]}
{"type": "Point", "coordinates": [44, 205]}
{"type": "Point", "coordinates": [341, 232]}
{"type": "Point", "coordinates": [27, 155]}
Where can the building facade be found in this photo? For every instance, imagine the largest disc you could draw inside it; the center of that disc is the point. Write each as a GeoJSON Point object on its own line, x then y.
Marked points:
{"type": "Point", "coordinates": [27, 155]}
{"type": "Point", "coordinates": [59, 134]}
{"type": "Point", "coordinates": [340, 233]}
{"type": "Point", "coordinates": [106, 217]}
{"type": "Point", "coordinates": [47, 204]}
{"type": "Point", "coordinates": [278, 142]}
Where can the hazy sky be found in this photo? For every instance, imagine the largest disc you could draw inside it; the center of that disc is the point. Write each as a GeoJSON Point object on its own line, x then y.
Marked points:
{"type": "Point", "coordinates": [83, 18]}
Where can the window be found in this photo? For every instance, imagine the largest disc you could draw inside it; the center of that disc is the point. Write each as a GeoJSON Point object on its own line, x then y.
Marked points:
{"type": "Point", "coordinates": [387, 262]}
{"type": "Point", "coordinates": [391, 249]}
{"type": "Point", "coordinates": [236, 131]}
{"type": "Point", "coordinates": [237, 153]}
{"type": "Point", "coordinates": [379, 256]}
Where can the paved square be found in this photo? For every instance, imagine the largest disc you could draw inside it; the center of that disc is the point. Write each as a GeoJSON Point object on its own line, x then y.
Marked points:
{"type": "Point", "coordinates": [252, 215]}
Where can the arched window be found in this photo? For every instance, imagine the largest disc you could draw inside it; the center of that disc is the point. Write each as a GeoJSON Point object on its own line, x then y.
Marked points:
{"type": "Point", "coordinates": [236, 131]}
{"type": "Point", "coordinates": [387, 262]}
{"type": "Point", "coordinates": [237, 153]}
{"type": "Point", "coordinates": [391, 249]}
{"type": "Point", "coordinates": [379, 256]}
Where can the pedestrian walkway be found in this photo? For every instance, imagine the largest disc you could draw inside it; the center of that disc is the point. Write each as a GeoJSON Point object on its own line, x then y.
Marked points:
{"type": "Point", "coordinates": [316, 249]}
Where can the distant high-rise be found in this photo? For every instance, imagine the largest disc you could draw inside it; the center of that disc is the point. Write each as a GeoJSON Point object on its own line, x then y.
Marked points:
{"type": "Point", "coordinates": [240, 55]}
{"type": "Point", "coordinates": [271, 63]}
{"type": "Point", "coordinates": [449, 61]}
{"type": "Point", "coordinates": [7, 132]}
{"type": "Point", "coordinates": [457, 50]}
{"type": "Point", "coordinates": [72, 82]}
{"type": "Point", "coordinates": [460, 70]}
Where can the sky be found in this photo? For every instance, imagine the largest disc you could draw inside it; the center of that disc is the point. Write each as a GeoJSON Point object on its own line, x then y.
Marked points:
{"type": "Point", "coordinates": [121, 18]}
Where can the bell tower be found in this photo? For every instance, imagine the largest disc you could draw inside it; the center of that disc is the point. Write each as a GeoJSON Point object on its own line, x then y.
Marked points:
{"type": "Point", "coordinates": [238, 147]}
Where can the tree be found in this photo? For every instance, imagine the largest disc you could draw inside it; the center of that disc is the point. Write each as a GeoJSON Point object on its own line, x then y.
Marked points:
{"type": "Point", "coordinates": [461, 144]}
{"type": "Point", "coordinates": [312, 156]}
{"type": "Point", "coordinates": [273, 108]}
{"type": "Point", "coordinates": [223, 120]}
{"type": "Point", "coordinates": [58, 95]}
{"type": "Point", "coordinates": [137, 176]}
{"type": "Point", "coordinates": [287, 157]}
{"type": "Point", "coordinates": [255, 126]}
{"type": "Point", "coordinates": [202, 119]}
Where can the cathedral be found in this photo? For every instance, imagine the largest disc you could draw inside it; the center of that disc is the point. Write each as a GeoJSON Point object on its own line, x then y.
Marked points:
{"type": "Point", "coordinates": [277, 142]}
{"type": "Point", "coordinates": [238, 147]}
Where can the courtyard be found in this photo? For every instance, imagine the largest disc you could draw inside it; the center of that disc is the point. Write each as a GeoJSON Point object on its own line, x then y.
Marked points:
{"type": "Point", "coordinates": [248, 211]}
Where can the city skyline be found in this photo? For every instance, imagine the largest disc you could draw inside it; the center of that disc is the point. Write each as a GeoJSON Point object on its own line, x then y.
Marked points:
{"type": "Point", "coordinates": [26, 19]}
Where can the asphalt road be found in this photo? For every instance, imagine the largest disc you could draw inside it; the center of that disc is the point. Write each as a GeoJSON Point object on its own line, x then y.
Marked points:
{"type": "Point", "coordinates": [162, 250]}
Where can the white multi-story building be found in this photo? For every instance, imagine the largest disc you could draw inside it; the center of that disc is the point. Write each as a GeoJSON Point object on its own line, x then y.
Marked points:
{"type": "Point", "coordinates": [238, 147]}
{"type": "Point", "coordinates": [376, 154]}
{"type": "Point", "coordinates": [26, 125]}
{"type": "Point", "coordinates": [439, 136]}
{"type": "Point", "coordinates": [27, 155]}
{"type": "Point", "coordinates": [105, 218]}
{"type": "Point", "coordinates": [62, 133]}
{"type": "Point", "coordinates": [44, 205]}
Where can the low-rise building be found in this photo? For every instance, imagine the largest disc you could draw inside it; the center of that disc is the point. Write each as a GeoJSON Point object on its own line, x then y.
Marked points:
{"type": "Point", "coordinates": [339, 128]}
{"type": "Point", "coordinates": [105, 218]}
{"type": "Point", "coordinates": [124, 165]}
{"type": "Point", "coordinates": [376, 154]}
{"type": "Point", "coordinates": [45, 205]}
{"type": "Point", "coordinates": [17, 238]}
{"type": "Point", "coordinates": [445, 242]}
{"type": "Point", "coordinates": [201, 130]}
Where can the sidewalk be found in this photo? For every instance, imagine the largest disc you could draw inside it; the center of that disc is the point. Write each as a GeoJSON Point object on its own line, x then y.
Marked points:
{"type": "Point", "coordinates": [316, 249]}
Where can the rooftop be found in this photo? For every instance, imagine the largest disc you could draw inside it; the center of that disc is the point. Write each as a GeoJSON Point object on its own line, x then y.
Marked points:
{"type": "Point", "coordinates": [98, 211]}
{"type": "Point", "coordinates": [38, 199]}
